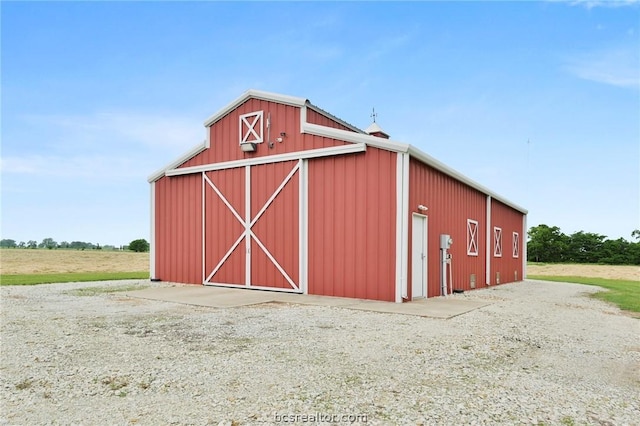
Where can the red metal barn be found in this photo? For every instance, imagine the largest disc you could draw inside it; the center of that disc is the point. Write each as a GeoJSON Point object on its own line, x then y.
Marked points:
{"type": "Point", "coordinates": [284, 196]}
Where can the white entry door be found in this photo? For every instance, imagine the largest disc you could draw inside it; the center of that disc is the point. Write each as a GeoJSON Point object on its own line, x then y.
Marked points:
{"type": "Point", "coordinates": [419, 257]}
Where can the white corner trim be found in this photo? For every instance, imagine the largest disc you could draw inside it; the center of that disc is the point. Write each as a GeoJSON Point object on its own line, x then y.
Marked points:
{"type": "Point", "coordinates": [256, 94]}
{"type": "Point", "coordinates": [523, 241]}
{"type": "Point", "coordinates": [204, 221]}
{"type": "Point", "coordinates": [402, 227]}
{"type": "Point", "coordinates": [489, 235]}
{"type": "Point", "coordinates": [152, 236]}
{"type": "Point", "coordinates": [303, 223]}
{"type": "Point", "coordinates": [186, 156]}
{"type": "Point", "coordinates": [297, 155]}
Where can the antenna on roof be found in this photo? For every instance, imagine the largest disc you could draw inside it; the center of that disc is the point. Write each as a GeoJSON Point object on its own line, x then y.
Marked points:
{"type": "Point", "coordinates": [373, 114]}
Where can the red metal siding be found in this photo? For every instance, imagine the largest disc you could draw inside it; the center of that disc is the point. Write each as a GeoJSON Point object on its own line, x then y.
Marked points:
{"type": "Point", "coordinates": [510, 221]}
{"type": "Point", "coordinates": [352, 225]}
{"type": "Point", "coordinates": [450, 204]}
{"type": "Point", "coordinates": [222, 228]}
{"type": "Point", "coordinates": [314, 117]}
{"type": "Point", "coordinates": [178, 238]}
{"type": "Point", "coordinates": [225, 140]}
{"type": "Point", "coordinates": [278, 227]}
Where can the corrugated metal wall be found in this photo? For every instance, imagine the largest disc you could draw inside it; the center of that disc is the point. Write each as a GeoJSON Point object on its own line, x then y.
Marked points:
{"type": "Point", "coordinates": [450, 204]}
{"type": "Point", "coordinates": [178, 237]}
{"type": "Point", "coordinates": [510, 221]}
{"type": "Point", "coordinates": [352, 225]}
{"type": "Point", "coordinates": [224, 134]}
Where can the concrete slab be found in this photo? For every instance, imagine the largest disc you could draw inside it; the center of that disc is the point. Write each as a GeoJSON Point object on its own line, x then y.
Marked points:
{"type": "Point", "coordinates": [221, 297]}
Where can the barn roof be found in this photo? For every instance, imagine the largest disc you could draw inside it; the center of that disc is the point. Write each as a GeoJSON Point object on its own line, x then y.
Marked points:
{"type": "Point", "coordinates": [354, 135]}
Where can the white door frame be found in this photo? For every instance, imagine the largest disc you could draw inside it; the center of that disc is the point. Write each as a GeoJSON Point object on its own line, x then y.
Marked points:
{"type": "Point", "coordinates": [421, 262]}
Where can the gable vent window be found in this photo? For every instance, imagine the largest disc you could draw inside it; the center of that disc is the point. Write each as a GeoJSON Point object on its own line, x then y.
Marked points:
{"type": "Point", "coordinates": [472, 237]}
{"type": "Point", "coordinates": [251, 127]}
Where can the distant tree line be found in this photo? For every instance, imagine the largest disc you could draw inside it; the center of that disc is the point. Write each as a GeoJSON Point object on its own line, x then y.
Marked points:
{"type": "Point", "coordinates": [140, 245]}
{"type": "Point", "coordinates": [549, 244]}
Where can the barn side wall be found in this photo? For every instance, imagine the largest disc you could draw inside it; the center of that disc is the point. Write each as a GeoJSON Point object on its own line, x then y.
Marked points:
{"type": "Point", "coordinates": [510, 221]}
{"type": "Point", "coordinates": [178, 229]}
{"type": "Point", "coordinates": [352, 225]}
{"type": "Point", "coordinates": [450, 203]}
{"type": "Point", "coordinates": [225, 139]}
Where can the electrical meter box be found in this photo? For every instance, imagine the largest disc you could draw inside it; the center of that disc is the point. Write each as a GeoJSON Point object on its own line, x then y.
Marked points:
{"type": "Point", "coordinates": [445, 241]}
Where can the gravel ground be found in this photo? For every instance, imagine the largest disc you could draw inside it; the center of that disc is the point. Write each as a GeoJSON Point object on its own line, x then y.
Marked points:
{"type": "Point", "coordinates": [542, 353]}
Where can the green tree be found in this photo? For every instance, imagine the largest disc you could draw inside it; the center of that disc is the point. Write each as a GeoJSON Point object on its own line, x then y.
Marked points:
{"type": "Point", "coordinates": [546, 244]}
{"type": "Point", "coordinates": [7, 243]}
{"type": "Point", "coordinates": [48, 243]}
{"type": "Point", "coordinates": [32, 244]}
{"type": "Point", "coordinates": [585, 247]}
{"type": "Point", "coordinates": [140, 245]}
{"type": "Point", "coordinates": [616, 252]}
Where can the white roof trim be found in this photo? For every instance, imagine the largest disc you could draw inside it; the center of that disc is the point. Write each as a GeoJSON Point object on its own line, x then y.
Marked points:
{"type": "Point", "coordinates": [429, 160]}
{"type": "Point", "coordinates": [289, 156]}
{"type": "Point", "coordinates": [329, 132]}
{"type": "Point", "coordinates": [347, 136]}
{"type": "Point", "coordinates": [186, 156]}
{"type": "Point", "coordinates": [255, 94]}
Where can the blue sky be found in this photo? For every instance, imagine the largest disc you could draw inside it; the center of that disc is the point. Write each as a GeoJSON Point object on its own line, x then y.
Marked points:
{"type": "Point", "coordinates": [97, 96]}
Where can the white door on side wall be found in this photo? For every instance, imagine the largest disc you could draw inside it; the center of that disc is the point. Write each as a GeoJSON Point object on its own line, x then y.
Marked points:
{"type": "Point", "coordinates": [419, 256]}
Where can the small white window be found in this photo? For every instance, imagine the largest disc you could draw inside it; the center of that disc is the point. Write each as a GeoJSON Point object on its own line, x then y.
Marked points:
{"type": "Point", "coordinates": [516, 244]}
{"type": "Point", "coordinates": [251, 128]}
{"type": "Point", "coordinates": [472, 237]}
{"type": "Point", "coordinates": [497, 242]}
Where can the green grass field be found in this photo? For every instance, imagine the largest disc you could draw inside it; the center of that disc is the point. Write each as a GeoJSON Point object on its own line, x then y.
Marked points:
{"type": "Point", "coordinates": [32, 279]}
{"type": "Point", "coordinates": [624, 293]}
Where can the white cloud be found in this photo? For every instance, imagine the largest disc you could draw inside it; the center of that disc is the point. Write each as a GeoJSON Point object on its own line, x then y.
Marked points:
{"type": "Point", "coordinates": [616, 67]}
{"type": "Point", "coordinates": [84, 167]}
{"type": "Point", "coordinates": [163, 130]}
{"type": "Point", "coordinates": [107, 146]}
{"type": "Point", "coordinates": [590, 4]}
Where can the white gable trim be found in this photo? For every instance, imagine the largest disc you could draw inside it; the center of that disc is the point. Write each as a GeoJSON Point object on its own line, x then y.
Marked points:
{"type": "Point", "coordinates": [254, 94]}
{"type": "Point", "coordinates": [297, 155]}
{"type": "Point", "coordinates": [186, 156]}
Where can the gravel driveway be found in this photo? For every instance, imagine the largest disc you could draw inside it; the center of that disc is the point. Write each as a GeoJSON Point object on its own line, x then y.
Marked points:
{"type": "Point", "coordinates": [542, 353]}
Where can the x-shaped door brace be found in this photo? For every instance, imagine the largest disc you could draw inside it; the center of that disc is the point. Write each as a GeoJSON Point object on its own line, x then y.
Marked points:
{"type": "Point", "coordinates": [248, 224]}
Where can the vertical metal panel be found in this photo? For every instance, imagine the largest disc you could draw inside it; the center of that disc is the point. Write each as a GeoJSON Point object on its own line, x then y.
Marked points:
{"type": "Point", "coordinates": [178, 219]}
{"type": "Point", "coordinates": [224, 134]}
{"type": "Point", "coordinates": [450, 203]}
{"type": "Point", "coordinates": [351, 217]}
{"type": "Point", "coordinates": [510, 221]}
